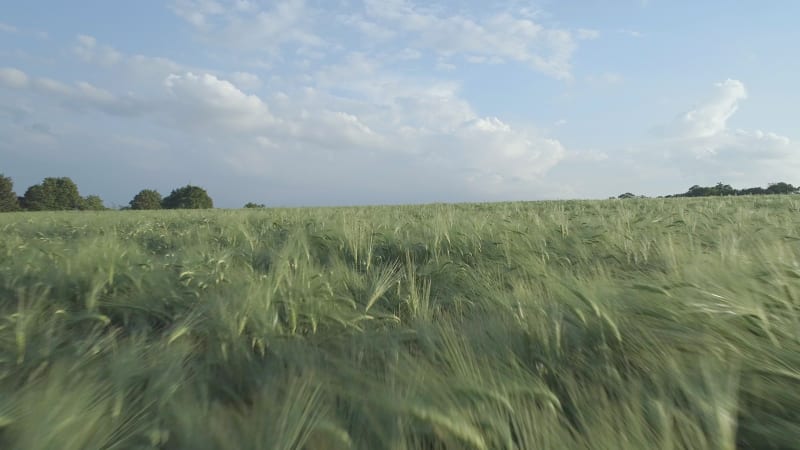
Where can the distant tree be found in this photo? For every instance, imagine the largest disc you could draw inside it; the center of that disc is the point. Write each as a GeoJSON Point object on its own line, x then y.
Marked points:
{"type": "Point", "coordinates": [188, 197]}
{"type": "Point", "coordinates": [146, 199]}
{"type": "Point", "coordinates": [92, 203]}
{"type": "Point", "coordinates": [697, 191]}
{"type": "Point", "coordinates": [700, 191]}
{"type": "Point", "coordinates": [781, 188]}
{"type": "Point", "coordinates": [626, 195]}
{"type": "Point", "coordinates": [53, 194]}
{"type": "Point", "coordinates": [752, 191]}
{"type": "Point", "coordinates": [8, 198]}
{"type": "Point", "coordinates": [723, 189]}
{"type": "Point", "coordinates": [255, 205]}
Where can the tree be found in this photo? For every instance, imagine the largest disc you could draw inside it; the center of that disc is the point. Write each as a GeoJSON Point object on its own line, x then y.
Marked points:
{"type": "Point", "coordinates": [752, 191]}
{"type": "Point", "coordinates": [255, 205]}
{"type": "Point", "coordinates": [8, 198]}
{"type": "Point", "coordinates": [188, 197]}
{"type": "Point", "coordinates": [626, 195]}
{"type": "Point", "coordinates": [146, 199]}
{"type": "Point", "coordinates": [53, 194]}
{"type": "Point", "coordinates": [92, 203]}
{"type": "Point", "coordinates": [34, 199]}
{"type": "Point", "coordinates": [697, 191]}
{"type": "Point", "coordinates": [781, 188]}
{"type": "Point", "coordinates": [723, 189]}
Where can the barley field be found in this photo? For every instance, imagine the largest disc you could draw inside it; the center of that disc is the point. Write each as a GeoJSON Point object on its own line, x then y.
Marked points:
{"type": "Point", "coordinates": [620, 324]}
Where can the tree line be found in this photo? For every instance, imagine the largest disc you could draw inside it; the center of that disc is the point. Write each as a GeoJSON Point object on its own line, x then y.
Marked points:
{"type": "Point", "coordinates": [725, 189]}
{"type": "Point", "coordinates": [62, 194]}
{"type": "Point", "coordinates": [720, 190]}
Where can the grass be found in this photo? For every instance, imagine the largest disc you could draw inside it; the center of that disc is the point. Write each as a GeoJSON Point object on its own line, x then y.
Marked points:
{"type": "Point", "coordinates": [661, 323]}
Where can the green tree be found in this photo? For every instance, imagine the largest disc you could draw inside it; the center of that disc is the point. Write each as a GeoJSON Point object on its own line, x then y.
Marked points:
{"type": "Point", "coordinates": [53, 194]}
{"type": "Point", "coordinates": [695, 191]}
{"type": "Point", "coordinates": [92, 203]}
{"type": "Point", "coordinates": [188, 197]}
{"type": "Point", "coordinates": [255, 205]}
{"type": "Point", "coordinates": [723, 189]}
{"type": "Point", "coordinates": [146, 199]}
{"type": "Point", "coordinates": [34, 199]}
{"type": "Point", "coordinates": [752, 191]}
{"type": "Point", "coordinates": [781, 188]}
{"type": "Point", "coordinates": [8, 198]}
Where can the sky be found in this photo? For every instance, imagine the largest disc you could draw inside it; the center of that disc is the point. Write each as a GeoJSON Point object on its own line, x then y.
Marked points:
{"type": "Point", "coordinates": [357, 102]}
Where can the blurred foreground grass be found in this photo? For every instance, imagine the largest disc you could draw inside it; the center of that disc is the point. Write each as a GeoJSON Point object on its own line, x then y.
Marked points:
{"type": "Point", "coordinates": [668, 324]}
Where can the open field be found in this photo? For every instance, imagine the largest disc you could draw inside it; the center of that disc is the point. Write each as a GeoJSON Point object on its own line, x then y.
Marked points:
{"type": "Point", "coordinates": [659, 323]}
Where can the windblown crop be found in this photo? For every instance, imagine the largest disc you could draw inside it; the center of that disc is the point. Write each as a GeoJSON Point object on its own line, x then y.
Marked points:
{"type": "Point", "coordinates": [659, 324]}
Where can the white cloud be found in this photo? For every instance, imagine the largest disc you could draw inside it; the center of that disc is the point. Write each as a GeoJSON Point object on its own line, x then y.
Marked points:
{"type": "Point", "coordinates": [373, 32]}
{"type": "Point", "coordinates": [6, 28]}
{"type": "Point", "coordinates": [13, 78]}
{"type": "Point", "coordinates": [137, 68]}
{"type": "Point", "coordinates": [587, 34]}
{"type": "Point", "coordinates": [495, 38]}
{"type": "Point", "coordinates": [431, 123]}
{"type": "Point", "coordinates": [86, 41]}
{"type": "Point", "coordinates": [441, 64]}
{"type": "Point", "coordinates": [700, 141]}
{"type": "Point", "coordinates": [49, 86]}
{"type": "Point", "coordinates": [94, 94]}
{"type": "Point", "coordinates": [344, 125]}
{"type": "Point", "coordinates": [711, 117]}
{"type": "Point", "coordinates": [408, 54]}
{"type": "Point", "coordinates": [496, 152]}
{"type": "Point", "coordinates": [630, 33]}
{"type": "Point", "coordinates": [81, 96]}
{"type": "Point", "coordinates": [147, 72]}
{"type": "Point", "coordinates": [150, 68]}
{"type": "Point", "coordinates": [335, 131]}
{"type": "Point", "coordinates": [387, 117]}
{"type": "Point", "coordinates": [11, 29]}
{"type": "Point", "coordinates": [247, 26]}
{"type": "Point", "coordinates": [501, 36]}
{"type": "Point", "coordinates": [196, 12]}
{"type": "Point", "coordinates": [88, 50]}
{"type": "Point", "coordinates": [203, 100]}
{"type": "Point", "coordinates": [287, 22]}
{"type": "Point", "coordinates": [246, 80]}
{"type": "Point", "coordinates": [697, 147]}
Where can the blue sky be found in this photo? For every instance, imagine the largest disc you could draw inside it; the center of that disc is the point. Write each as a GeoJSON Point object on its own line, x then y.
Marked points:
{"type": "Point", "coordinates": [301, 103]}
